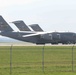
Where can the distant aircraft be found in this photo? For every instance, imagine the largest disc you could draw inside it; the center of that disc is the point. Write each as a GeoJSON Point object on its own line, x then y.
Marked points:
{"type": "Point", "coordinates": [23, 27]}
{"type": "Point", "coordinates": [28, 36]}
{"type": "Point", "coordinates": [57, 37]}
{"type": "Point", "coordinates": [36, 37]}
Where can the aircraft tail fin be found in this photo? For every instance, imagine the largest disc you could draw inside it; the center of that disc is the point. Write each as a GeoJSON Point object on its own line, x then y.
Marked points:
{"type": "Point", "coordinates": [21, 25]}
{"type": "Point", "coordinates": [36, 27]}
{"type": "Point", "coordinates": [4, 26]}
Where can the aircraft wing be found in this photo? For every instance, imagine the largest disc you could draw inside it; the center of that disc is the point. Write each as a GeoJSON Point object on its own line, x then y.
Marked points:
{"type": "Point", "coordinates": [35, 34]}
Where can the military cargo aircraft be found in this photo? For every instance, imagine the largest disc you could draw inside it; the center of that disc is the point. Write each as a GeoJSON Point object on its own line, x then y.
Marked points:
{"type": "Point", "coordinates": [36, 37]}
{"type": "Point", "coordinates": [28, 36]}
{"type": "Point", "coordinates": [57, 37]}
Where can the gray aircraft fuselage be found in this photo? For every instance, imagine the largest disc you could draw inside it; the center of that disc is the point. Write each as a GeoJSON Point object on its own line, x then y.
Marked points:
{"type": "Point", "coordinates": [53, 38]}
{"type": "Point", "coordinates": [18, 35]}
{"type": "Point", "coordinates": [64, 37]}
{"type": "Point", "coordinates": [36, 37]}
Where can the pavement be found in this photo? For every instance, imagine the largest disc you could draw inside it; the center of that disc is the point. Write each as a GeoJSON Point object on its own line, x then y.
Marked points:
{"type": "Point", "coordinates": [28, 44]}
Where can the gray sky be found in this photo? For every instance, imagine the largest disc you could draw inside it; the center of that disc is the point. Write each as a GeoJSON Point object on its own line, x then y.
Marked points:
{"type": "Point", "coordinates": [51, 15]}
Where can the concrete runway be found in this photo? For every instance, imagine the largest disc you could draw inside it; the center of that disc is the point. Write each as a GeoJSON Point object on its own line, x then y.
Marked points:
{"type": "Point", "coordinates": [16, 44]}
{"type": "Point", "coordinates": [28, 44]}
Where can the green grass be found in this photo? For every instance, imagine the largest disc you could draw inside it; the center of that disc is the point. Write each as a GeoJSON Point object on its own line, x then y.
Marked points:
{"type": "Point", "coordinates": [28, 60]}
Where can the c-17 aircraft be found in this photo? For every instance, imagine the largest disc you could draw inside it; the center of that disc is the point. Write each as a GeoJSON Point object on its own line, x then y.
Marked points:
{"type": "Point", "coordinates": [57, 37]}
{"type": "Point", "coordinates": [28, 36]}
{"type": "Point", "coordinates": [36, 37]}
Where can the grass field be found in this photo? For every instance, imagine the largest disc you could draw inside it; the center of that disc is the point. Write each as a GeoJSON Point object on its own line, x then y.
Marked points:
{"type": "Point", "coordinates": [28, 60]}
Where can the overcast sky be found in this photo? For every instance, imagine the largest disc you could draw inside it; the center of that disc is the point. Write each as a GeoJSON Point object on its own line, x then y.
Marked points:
{"type": "Point", "coordinates": [51, 15]}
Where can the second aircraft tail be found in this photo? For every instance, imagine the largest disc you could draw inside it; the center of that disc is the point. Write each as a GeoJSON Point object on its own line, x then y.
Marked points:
{"type": "Point", "coordinates": [36, 27]}
{"type": "Point", "coordinates": [21, 26]}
